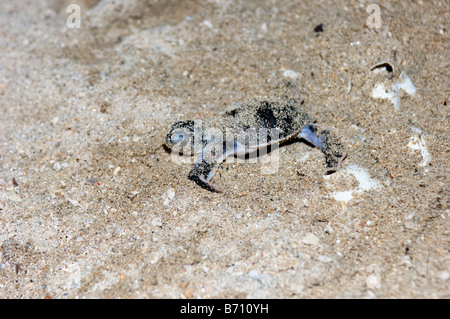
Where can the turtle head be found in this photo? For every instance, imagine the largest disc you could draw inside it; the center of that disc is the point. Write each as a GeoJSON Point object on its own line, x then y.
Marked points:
{"type": "Point", "coordinates": [181, 133]}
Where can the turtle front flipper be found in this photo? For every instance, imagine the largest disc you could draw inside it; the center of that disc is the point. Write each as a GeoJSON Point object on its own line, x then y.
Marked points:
{"type": "Point", "coordinates": [202, 174]}
{"type": "Point", "coordinates": [331, 144]}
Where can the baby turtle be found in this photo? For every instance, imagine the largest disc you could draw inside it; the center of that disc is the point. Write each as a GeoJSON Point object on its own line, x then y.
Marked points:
{"type": "Point", "coordinates": [246, 127]}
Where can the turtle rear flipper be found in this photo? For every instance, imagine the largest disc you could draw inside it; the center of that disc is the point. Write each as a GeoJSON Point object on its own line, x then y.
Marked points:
{"type": "Point", "coordinates": [331, 144]}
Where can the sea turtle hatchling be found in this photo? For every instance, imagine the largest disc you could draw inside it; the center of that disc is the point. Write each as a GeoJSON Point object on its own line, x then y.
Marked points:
{"type": "Point", "coordinates": [233, 133]}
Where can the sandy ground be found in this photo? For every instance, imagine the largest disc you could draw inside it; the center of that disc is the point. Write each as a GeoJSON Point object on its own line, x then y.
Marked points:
{"type": "Point", "coordinates": [93, 206]}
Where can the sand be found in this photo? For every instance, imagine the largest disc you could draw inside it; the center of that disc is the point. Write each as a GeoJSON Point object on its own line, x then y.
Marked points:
{"type": "Point", "coordinates": [93, 206]}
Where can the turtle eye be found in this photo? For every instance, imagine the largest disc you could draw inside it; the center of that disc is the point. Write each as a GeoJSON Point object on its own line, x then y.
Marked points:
{"type": "Point", "coordinates": [177, 137]}
{"type": "Point", "coordinates": [181, 138]}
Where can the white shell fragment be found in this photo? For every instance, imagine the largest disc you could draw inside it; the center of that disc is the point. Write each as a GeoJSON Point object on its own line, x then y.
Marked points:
{"type": "Point", "coordinates": [404, 83]}
{"type": "Point", "coordinates": [418, 143]}
{"type": "Point", "coordinates": [366, 183]}
{"type": "Point", "coordinates": [168, 196]}
{"type": "Point", "coordinates": [386, 66]}
{"type": "Point", "coordinates": [291, 74]}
